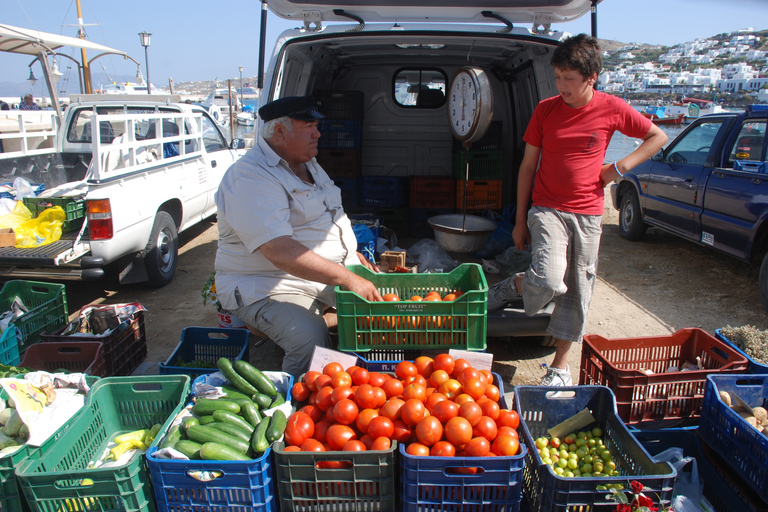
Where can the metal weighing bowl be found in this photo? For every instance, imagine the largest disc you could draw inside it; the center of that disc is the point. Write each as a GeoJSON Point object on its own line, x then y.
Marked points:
{"type": "Point", "coordinates": [449, 234]}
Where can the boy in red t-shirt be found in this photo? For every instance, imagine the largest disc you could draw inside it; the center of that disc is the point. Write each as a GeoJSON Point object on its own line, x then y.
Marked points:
{"type": "Point", "coordinates": [566, 141]}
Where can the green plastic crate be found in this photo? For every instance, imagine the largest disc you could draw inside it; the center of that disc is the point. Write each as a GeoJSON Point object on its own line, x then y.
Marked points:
{"type": "Point", "coordinates": [74, 209]}
{"type": "Point", "coordinates": [404, 324]}
{"type": "Point", "coordinates": [11, 498]}
{"type": "Point", "coordinates": [116, 405]}
{"type": "Point", "coordinates": [46, 304]}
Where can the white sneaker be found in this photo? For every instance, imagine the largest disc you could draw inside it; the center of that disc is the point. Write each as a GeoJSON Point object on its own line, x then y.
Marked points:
{"type": "Point", "coordinates": [501, 293]}
{"type": "Point", "coordinates": [557, 377]}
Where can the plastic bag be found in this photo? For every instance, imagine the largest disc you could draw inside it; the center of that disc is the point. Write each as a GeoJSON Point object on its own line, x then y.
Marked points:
{"type": "Point", "coordinates": [430, 258]}
{"type": "Point", "coordinates": [512, 261]}
{"type": "Point", "coordinates": [687, 485]}
{"type": "Point", "coordinates": [501, 239]}
{"type": "Point", "coordinates": [43, 230]}
{"type": "Point", "coordinates": [19, 215]}
{"type": "Point", "coordinates": [23, 188]}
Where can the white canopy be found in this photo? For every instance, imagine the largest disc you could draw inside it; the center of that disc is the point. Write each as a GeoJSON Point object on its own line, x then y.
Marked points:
{"type": "Point", "coordinates": [31, 42]}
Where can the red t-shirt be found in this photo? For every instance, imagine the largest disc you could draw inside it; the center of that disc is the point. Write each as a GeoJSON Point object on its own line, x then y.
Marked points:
{"type": "Point", "coordinates": [573, 142]}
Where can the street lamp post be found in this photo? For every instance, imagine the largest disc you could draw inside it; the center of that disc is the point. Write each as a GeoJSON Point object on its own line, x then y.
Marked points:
{"type": "Point", "coordinates": [145, 43]}
{"type": "Point", "coordinates": [241, 87]}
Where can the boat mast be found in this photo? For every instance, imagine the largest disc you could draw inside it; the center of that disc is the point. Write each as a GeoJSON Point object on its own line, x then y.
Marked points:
{"type": "Point", "coordinates": [86, 66]}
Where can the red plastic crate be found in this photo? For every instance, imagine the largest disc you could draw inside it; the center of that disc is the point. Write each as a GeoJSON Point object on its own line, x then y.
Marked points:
{"type": "Point", "coordinates": [433, 192]}
{"type": "Point", "coordinates": [480, 195]}
{"type": "Point", "coordinates": [661, 395]}
{"type": "Point", "coordinates": [77, 357]}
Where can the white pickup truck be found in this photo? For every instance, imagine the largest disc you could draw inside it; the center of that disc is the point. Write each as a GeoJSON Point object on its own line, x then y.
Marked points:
{"type": "Point", "coordinates": [151, 174]}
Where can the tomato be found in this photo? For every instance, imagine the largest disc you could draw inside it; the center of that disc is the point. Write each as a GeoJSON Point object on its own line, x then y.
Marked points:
{"type": "Point", "coordinates": [381, 397]}
{"type": "Point", "coordinates": [367, 441]}
{"type": "Point", "coordinates": [415, 379]}
{"type": "Point", "coordinates": [391, 409]}
{"type": "Point", "coordinates": [488, 376]}
{"type": "Point", "coordinates": [405, 369]}
{"type": "Point", "coordinates": [413, 411]}
{"type": "Point", "coordinates": [375, 379]}
{"type": "Point", "coordinates": [478, 447]}
{"type": "Point", "coordinates": [505, 445]}
{"type": "Point", "coordinates": [345, 411]}
{"type": "Point", "coordinates": [340, 393]}
{"type": "Point", "coordinates": [353, 446]}
{"type": "Point", "coordinates": [338, 435]}
{"type": "Point", "coordinates": [381, 426]}
{"type": "Point", "coordinates": [415, 391]}
{"type": "Point", "coordinates": [444, 410]}
{"type": "Point", "coordinates": [323, 381]}
{"type": "Point", "coordinates": [392, 387]}
{"type": "Point", "coordinates": [312, 400]}
{"type": "Point", "coordinates": [466, 374]}
{"type": "Point", "coordinates": [291, 449]}
{"type": "Point", "coordinates": [298, 428]}
{"type": "Point", "coordinates": [321, 429]}
{"type": "Point", "coordinates": [417, 450]}
{"type": "Point", "coordinates": [389, 297]}
{"type": "Point", "coordinates": [380, 444]}
{"type": "Point", "coordinates": [432, 399]}
{"type": "Point", "coordinates": [486, 428]}
{"type": "Point", "coordinates": [508, 418]}
{"type": "Point", "coordinates": [309, 379]}
{"type": "Point", "coordinates": [458, 431]}
{"type": "Point", "coordinates": [462, 399]}
{"type": "Point", "coordinates": [450, 388]}
{"type": "Point", "coordinates": [364, 417]}
{"type": "Point", "coordinates": [508, 430]}
{"type": "Point", "coordinates": [445, 362]}
{"type": "Point", "coordinates": [433, 293]}
{"type": "Point", "coordinates": [490, 409]}
{"type": "Point", "coordinates": [429, 431]}
{"type": "Point", "coordinates": [341, 378]}
{"type": "Point", "coordinates": [438, 377]}
{"type": "Point", "coordinates": [402, 433]}
{"type": "Point", "coordinates": [471, 412]}
{"type": "Point", "coordinates": [449, 297]}
{"type": "Point", "coordinates": [323, 399]}
{"type": "Point", "coordinates": [360, 376]}
{"type": "Point", "coordinates": [443, 449]}
{"type": "Point", "coordinates": [329, 415]}
{"type": "Point", "coordinates": [300, 391]}
{"type": "Point", "coordinates": [493, 393]}
{"type": "Point", "coordinates": [330, 369]}
{"type": "Point", "coordinates": [425, 365]}
{"type": "Point", "coordinates": [474, 388]}
{"type": "Point", "coordinates": [312, 445]}
{"type": "Point", "coordinates": [314, 412]}
{"type": "Point", "coordinates": [433, 297]}
{"type": "Point", "coordinates": [352, 369]}
{"type": "Point", "coordinates": [416, 298]}
{"type": "Point", "coordinates": [459, 365]}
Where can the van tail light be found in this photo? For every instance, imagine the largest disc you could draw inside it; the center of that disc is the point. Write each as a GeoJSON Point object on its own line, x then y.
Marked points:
{"type": "Point", "coordinates": [100, 219]}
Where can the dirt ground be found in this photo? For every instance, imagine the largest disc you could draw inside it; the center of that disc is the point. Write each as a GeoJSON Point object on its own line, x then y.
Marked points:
{"type": "Point", "coordinates": [647, 288]}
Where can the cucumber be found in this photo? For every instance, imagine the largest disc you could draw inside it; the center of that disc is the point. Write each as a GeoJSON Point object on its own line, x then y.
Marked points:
{"type": "Point", "coordinates": [206, 406]}
{"type": "Point", "coordinates": [233, 419]}
{"type": "Point", "coordinates": [208, 434]}
{"type": "Point", "coordinates": [277, 426]}
{"type": "Point", "coordinates": [253, 375]}
{"type": "Point", "coordinates": [262, 401]}
{"type": "Point", "coordinates": [188, 422]}
{"type": "Point", "coordinates": [242, 402]}
{"type": "Point", "coordinates": [237, 380]}
{"type": "Point", "coordinates": [250, 413]}
{"type": "Point", "coordinates": [279, 400]}
{"type": "Point", "coordinates": [171, 437]}
{"type": "Point", "coordinates": [259, 441]}
{"type": "Point", "coordinates": [204, 420]}
{"type": "Point", "coordinates": [216, 451]}
{"type": "Point", "coordinates": [189, 448]}
{"type": "Point", "coordinates": [231, 392]}
{"type": "Point", "coordinates": [231, 430]}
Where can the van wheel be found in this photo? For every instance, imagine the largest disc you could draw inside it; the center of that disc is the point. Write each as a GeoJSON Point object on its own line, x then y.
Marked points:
{"type": "Point", "coordinates": [548, 341]}
{"type": "Point", "coordinates": [763, 280]}
{"type": "Point", "coordinates": [162, 253]}
{"type": "Point", "coordinates": [631, 225]}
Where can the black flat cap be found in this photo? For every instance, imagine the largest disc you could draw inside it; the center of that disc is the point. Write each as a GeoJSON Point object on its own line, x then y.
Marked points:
{"type": "Point", "coordinates": [302, 108]}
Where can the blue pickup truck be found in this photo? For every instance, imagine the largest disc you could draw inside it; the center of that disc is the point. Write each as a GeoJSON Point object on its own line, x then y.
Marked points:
{"type": "Point", "coordinates": [709, 185]}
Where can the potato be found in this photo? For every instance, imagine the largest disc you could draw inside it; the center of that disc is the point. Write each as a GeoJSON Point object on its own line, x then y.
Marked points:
{"type": "Point", "coordinates": [760, 414]}
{"type": "Point", "coordinates": [726, 398]}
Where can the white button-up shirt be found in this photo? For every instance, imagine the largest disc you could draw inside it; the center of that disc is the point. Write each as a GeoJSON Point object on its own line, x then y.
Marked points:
{"type": "Point", "coordinates": [260, 199]}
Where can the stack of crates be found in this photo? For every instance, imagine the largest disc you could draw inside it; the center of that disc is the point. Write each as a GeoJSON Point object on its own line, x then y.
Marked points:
{"type": "Point", "coordinates": [339, 148]}
{"type": "Point", "coordinates": [430, 196]}
{"type": "Point", "coordinates": [482, 189]}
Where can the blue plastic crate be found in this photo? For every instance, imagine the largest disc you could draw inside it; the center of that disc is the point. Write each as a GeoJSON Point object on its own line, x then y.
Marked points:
{"type": "Point", "coordinates": [243, 485]}
{"type": "Point", "coordinates": [206, 344]}
{"type": "Point", "coordinates": [724, 498]}
{"type": "Point", "coordinates": [37, 187]}
{"type": "Point", "coordinates": [540, 410]}
{"type": "Point", "coordinates": [282, 381]}
{"type": "Point", "coordinates": [349, 191]}
{"type": "Point", "coordinates": [383, 191]}
{"type": "Point", "coordinates": [340, 134]}
{"type": "Point", "coordinates": [752, 365]}
{"type": "Point", "coordinates": [742, 447]}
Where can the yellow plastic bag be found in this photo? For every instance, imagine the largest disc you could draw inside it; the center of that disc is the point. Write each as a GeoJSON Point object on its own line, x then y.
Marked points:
{"type": "Point", "coordinates": [43, 230]}
{"type": "Point", "coordinates": [19, 214]}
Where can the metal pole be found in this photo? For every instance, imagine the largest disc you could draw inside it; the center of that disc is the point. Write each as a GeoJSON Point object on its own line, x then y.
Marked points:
{"type": "Point", "coordinates": [262, 44]}
{"type": "Point", "coordinates": [146, 59]}
{"type": "Point", "coordinates": [594, 18]}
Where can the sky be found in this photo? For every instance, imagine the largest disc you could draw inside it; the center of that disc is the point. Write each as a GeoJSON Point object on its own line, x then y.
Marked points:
{"type": "Point", "coordinates": [204, 40]}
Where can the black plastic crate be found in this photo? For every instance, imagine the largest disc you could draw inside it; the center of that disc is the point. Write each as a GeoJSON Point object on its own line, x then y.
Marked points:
{"type": "Point", "coordinates": [335, 104]}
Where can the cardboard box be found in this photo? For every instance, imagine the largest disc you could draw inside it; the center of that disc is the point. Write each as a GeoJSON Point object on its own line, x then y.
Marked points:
{"type": "Point", "coordinates": [7, 237]}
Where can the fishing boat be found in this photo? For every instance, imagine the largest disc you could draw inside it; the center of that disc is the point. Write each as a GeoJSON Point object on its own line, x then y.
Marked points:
{"type": "Point", "coordinates": [217, 104]}
{"type": "Point", "coordinates": [658, 115]}
{"type": "Point", "coordinates": [129, 88]}
{"type": "Point", "coordinates": [247, 117]}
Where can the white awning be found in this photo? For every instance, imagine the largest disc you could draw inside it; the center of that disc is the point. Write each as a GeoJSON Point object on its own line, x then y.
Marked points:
{"type": "Point", "coordinates": [31, 42]}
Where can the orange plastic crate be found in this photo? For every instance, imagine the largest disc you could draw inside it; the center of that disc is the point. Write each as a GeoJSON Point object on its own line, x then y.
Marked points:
{"type": "Point", "coordinates": [433, 192]}
{"type": "Point", "coordinates": [676, 396]}
{"type": "Point", "coordinates": [481, 195]}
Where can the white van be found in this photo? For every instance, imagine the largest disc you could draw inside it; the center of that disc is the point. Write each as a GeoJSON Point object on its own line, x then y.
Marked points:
{"type": "Point", "coordinates": [392, 137]}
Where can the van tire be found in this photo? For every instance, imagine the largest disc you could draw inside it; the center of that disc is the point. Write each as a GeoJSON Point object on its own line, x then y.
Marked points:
{"type": "Point", "coordinates": [162, 252]}
{"type": "Point", "coordinates": [763, 281]}
{"type": "Point", "coordinates": [631, 223]}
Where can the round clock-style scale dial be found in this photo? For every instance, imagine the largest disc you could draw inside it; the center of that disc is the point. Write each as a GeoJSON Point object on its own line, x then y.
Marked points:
{"type": "Point", "coordinates": [470, 104]}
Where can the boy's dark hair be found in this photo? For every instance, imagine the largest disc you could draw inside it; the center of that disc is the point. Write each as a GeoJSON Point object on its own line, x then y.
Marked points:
{"type": "Point", "coordinates": [581, 53]}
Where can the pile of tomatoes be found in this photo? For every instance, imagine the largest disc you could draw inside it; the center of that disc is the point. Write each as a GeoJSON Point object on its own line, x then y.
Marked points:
{"type": "Point", "coordinates": [433, 295]}
{"type": "Point", "coordinates": [437, 406]}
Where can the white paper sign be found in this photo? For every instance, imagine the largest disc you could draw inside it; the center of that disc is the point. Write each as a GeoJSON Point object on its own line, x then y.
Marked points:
{"type": "Point", "coordinates": [322, 356]}
{"type": "Point", "coordinates": [478, 360]}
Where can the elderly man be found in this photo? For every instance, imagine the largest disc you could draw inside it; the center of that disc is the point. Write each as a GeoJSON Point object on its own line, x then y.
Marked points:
{"type": "Point", "coordinates": [284, 239]}
{"type": "Point", "coordinates": [29, 103]}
